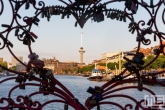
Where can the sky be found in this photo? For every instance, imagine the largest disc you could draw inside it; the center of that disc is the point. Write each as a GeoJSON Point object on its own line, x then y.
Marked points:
{"type": "Point", "coordinates": [61, 39]}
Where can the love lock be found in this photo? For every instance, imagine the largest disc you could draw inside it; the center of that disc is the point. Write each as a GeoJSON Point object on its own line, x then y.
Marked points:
{"type": "Point", "coordinates": [17, 5]}
{"type": "Point", "coordinates": [49, 74]}
{"type": "Point", "coordinates": [22, 86]}
{"type": "Point", "coordinates": [91, 90]}
{"type": "Point", "coordinates": [93, 101]}
{"type": "Point", "coordinates": [156, 51]}
{"type": "Point", "coordinates": [27, 5]}
{"type": "Point", "coordinates": [98, 89]}
{"type": "Point", "coordinates": [19, 79]}
{"type": "Point", "coordinates": [42, 89]}
{"type": "Point", "coordinates": [133, 8]}
{"type": "Point", "coordinates": [16, 31]}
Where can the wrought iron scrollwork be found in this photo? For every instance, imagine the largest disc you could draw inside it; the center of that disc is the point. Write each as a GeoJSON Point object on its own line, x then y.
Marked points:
{"type": "Point", "coordinates": [82, 10]}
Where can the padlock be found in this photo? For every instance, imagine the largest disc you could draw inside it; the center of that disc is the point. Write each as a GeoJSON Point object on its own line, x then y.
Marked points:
{"type": "Point", "coordinates": [18, 79]}
{"type": "Point", "coordinates": [133, 30]}
{"type": "Point", "coordinates": [131, 24]}
{"type": "Point", "coordinates": [124, 18]}
{"type": "Point", "coordinates": [35, 36]}
{"type": "Point", "coordinates": [91, 90]}
{"type": "Point", "coordinates": [140, 55]}
{"type": "Point", "coordinates": [128, 4]}
{"type": "Point", "coordinates": [118, 15]}
{"type": "Point", "coordinates": [22, 86]}
{"type": "Point", "coordinates": [133, 8]}
{"type": "Point", "coordinates": [98, 89]}
{"type": "Point", "coordinates": [130, 30]}
{"type": "Point", "coordinates": [36, 19]}
{"type": "Point", "coordinates": [17, 5]}
{"type": "Point", "coordinates": [139, 38]}
{"type": "Point", "coordinates": [100, 17]}
{"type": "Point", "coordinates": [68, 15]}
{"type": "Point", "coordinates": [156, 51]}
{"type": "Point", "coordinates": [33, 2]}
{"type": "Point", "coordinates": [108, 16]}
{"type": "Point", "coordinates": [92, 101]}
{"type": "Point", "coordinates": [149, 22]}
{"type": "Point", "coordinates": [51, 10]}
{"type": "Point", "coordinates": [98, 96]}
{"type": "Point", "coordinates": [31, 38]}
{"type": "Point", "coordinates": [27, 5]}
{"type": "Point", "coordinates": [138, 61]}
{"type": "Point", "coordinates": [154, 36]}
{"type": "Point", "coordinates": [31, 73]}
{"type": "Point", "coordinates": [49, 73]}
{"type": "Point", "coordinates": [121, 18]}
{"type": "Point", "coordinates": [25, 42]}
{"type": "Point", "coordinates": [42, 14]}
{"type": "Point", "coordinates": [49, 89]}
{"type": "Point", "coordinates": [16, 31]}
{"type": "Point", "coordinates": [112, 15]}
{"type": "Point", "coordinates": [36, 23]}
{"type": "Point", "coordinates": [42, 89]}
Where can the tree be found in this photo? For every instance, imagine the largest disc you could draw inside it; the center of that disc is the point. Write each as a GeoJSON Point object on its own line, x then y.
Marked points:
{"type": "Point", "coordinates": [63, 70]}
{"type": "Point", "coordinates": [13, 68]}
{"type": "Point", "coordinates": [4, 64]}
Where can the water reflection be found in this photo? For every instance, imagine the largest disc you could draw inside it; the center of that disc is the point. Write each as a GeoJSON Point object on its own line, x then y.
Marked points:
{"type": "Point", "coordinates": [78, 86]}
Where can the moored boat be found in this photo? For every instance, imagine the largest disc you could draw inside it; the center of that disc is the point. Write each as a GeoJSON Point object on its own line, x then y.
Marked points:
{"type": "Point", "coordinates": [96, 75]}
{"type": "Point", "coordinates": [161, 78]}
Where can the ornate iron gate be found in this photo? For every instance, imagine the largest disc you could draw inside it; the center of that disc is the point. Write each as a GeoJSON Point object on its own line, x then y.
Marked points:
{"type": "Point", "coordinates": [82, 10]}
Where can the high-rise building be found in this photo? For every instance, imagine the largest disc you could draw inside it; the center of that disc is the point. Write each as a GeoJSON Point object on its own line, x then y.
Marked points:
{"type": "Point", "coordinates": [1, 59]}
{"type": "Point", "coordinates": [15, 62]}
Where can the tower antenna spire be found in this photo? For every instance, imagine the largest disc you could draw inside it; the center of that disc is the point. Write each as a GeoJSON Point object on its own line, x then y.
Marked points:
{"type": "Point", "coordinates": [81, 38]}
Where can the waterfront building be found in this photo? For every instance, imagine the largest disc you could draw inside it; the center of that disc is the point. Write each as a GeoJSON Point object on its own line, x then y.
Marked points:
{"type": "Point", "coordinates": [15, 62]}
{"type": "Point", "coordinates": [19, 67]}
{"type": "Point", "coordinates": [9, 65]}
{"type": "Point", "coordinates": [61, 67]}
{"type": "Point", "coordinates": [1, 59]}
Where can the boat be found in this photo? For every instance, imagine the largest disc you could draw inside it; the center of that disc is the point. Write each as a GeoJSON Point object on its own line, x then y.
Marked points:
{"type": "Point", "coordinates": [8, 74]}
{"type": "Point", "coordinates": [96, 75]}
{"type": "Point", "coordinates": [161, 78]}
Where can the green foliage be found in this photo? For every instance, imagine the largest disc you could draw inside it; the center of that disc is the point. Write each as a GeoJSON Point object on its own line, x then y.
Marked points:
{"type": "Point", "coordinates": [111, 65]}
{"type": "Point", "coordinates": [158, 63]}
{"type": "Point", "coordinates": [63, 70]}
{"type": "Point", "coordinates": [3, 64]}
{"type": "Point", "coordinates": [13, 68]}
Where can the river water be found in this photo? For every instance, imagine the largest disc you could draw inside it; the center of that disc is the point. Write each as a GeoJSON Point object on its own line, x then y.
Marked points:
{"type": "Point", "coordinates": [78, 85]}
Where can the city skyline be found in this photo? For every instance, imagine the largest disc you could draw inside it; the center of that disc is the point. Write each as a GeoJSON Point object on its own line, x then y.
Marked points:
{"type": "Point", "coordinates": [61, 39]}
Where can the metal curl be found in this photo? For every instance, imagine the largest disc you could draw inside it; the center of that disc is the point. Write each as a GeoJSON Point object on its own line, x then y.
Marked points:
{"type": "Point", "coordinates": [1, 11]}
{"type": "Point", "coordinates": [148, 41]}
{"type": "Point", "coordinates": [82, 11]}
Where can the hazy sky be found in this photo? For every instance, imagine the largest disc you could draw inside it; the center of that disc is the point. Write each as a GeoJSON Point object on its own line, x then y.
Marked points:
{"type": "Point", "coordinates": [61, 39]}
